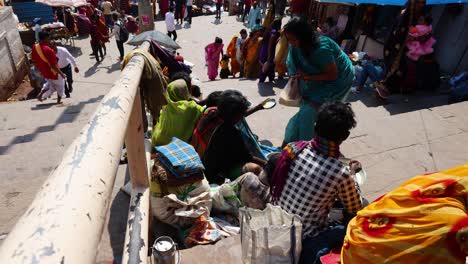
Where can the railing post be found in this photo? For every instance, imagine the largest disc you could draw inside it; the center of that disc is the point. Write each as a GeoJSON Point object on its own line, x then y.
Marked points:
{"type": "Point", "coordinates": [136, 238]}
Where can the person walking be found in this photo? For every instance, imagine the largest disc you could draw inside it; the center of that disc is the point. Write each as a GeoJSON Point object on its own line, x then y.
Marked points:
{"type": "Point", "coordinates": [324, 73]}
{"type": "Point", "coordinates": [106, 11]}
{"type": "Point", "coordinates": [213, 52]}
{"type": "Point", "coordinates": [170, 24]}
{"type": "Point", "coordinates": [118, 26]}
{"type": "Point", "coordinates": [96, 39]}
{"type": "Point", "coordinates": [65, 63]}
{"type": "Point", "coordinates": [45, 60]}
{"type": "Point", "coordinates": [219, 3]}
{"type": "Point", "coordinates": [189, 5]}
{"type": "Point", "coordinates": [179, 8]}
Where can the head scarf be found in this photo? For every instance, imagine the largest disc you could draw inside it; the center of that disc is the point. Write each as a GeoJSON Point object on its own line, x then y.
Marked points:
{"type": "Point", "coordinates": [178, 90]}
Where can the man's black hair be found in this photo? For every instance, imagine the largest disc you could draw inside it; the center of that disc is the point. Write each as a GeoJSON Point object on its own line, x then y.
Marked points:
{"type": "Point", "coordinates": [43, 35]}
{"type": "Point", "coordinates": [182, 75]}
{"type": "Point", "coordinates": [115, 17]}
{"type": "Point", "coordinates": [196, 91]}
{"type": "Point", "coordinates": [334, 121]}
{"type": "Point", "coordinates": [171, 9]}
{"type": "Point", "coordinates": [213, 99]}
{"type": "Point", "coordinates": [232, 105]}
{"type": "Point", "coordinates": [243, 31]}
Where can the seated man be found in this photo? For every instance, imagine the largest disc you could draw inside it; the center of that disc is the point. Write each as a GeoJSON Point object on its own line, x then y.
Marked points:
{"type": "Point", "coordinates": [309, 177]}
{"type": "Point", "coordinates": [220, 144]}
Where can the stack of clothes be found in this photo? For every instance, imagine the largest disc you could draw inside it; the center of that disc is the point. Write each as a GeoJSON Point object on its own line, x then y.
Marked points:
{"type": "Point", "coordinates": [180, 162]}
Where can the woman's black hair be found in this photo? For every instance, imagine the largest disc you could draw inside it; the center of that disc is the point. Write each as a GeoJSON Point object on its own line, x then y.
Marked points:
{"type": "Point", "coordinates": [304, 32]}
{"type": "Point", "coordinates": [232, 104]}
{"type": "Point", "coordinates": [276, 24]}
{"type": "Point", "coordinates": [182, 75]}
{"type": "Point", "coordinates": [218, 40]}
{"type": "Point", "coordinates": [196, 91]}
{"type": "Point", "coordinates": [212, 99]}
{"type": "Point", "coordinates": [226, 57]}
{"type": "Point", "coordinates": [334, 121]}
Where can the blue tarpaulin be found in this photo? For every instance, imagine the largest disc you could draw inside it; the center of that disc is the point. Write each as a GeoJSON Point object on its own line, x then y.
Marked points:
{"type": "Point", "coordinates": [393, 2]}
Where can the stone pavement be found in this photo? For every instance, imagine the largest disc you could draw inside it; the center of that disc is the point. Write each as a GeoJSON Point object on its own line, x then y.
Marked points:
{"type": "Point", "coordinates": [412, 135]}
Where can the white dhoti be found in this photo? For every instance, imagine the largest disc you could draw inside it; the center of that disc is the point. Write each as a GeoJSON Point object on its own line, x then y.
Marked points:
{"type": "Point", "coordinates": [52, 86]}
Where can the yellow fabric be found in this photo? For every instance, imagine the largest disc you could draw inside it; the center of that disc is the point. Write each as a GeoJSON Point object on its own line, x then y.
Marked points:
{"type": "Point", "coordinates": [152, 84]}
{"type": "Point", "coordinates": [224, 64]}
{"type": "Point", "coordinates": [281, 51]}
{"type": "Point", "coordinates": [252, 65]}
{"type": "Point", "coordinates": [232, 52]}
{"type": "Point", "coordinates": [422, 221]}
{"type": "Point", "coordinates": [269, 18]}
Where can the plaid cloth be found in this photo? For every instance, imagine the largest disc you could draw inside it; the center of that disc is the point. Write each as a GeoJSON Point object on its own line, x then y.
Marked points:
{"type": "Point", "coordinates": [314, 181]}
{"type": "Point", "coordinates": [180, 158]}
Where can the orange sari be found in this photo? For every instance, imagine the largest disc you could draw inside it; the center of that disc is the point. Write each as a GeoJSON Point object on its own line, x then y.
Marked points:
{"type": "Point", "coordinates": [231, 51]}
{"type": "Point", "coordinates": [424, 220]}
{"type": "Point", "coordinates": [252, 64]}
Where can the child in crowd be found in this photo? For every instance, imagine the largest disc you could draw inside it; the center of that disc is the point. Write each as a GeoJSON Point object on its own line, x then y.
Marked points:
{"type": "Point", "coordinates": [224, 63]}
{"type": "Point", "coordinates": [420, 40]}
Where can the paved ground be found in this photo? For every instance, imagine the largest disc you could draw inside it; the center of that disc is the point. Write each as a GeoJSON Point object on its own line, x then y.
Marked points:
{"type": "Point", "coordinates": [412, 135]}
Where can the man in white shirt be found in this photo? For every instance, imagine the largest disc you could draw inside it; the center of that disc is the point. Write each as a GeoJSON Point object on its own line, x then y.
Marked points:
{"type": "Point", "coordinates": [37, 27]}
{"type": "Point", "coordinates": [65, 62]}
{"type": "Point", "coordinates": [116, 33]}
{"type": "Point", "coordinates": [189, 5]}
{"type": "Point", "coordinates": [170, 24]}
{"type": "Point", "coordinates": [106, 10]}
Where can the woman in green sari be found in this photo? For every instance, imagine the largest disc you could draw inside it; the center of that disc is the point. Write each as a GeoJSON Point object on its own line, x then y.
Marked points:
{"type": "Point", "coordinates": [179, 117]}
{"type": "Point", "coordinates": [324, 74]}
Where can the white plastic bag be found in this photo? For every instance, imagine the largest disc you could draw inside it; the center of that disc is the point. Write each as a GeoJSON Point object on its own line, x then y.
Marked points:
{"type": "Point", "coordinates": [270, 236]}
{"type": "Point", "coordinates": [290, 96]}
{"type": "Point", "coordinates": [225, 199]}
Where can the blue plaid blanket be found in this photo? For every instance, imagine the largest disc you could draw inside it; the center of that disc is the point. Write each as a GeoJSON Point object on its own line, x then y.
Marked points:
{"type": "Point", "coordinates": [180, 158]}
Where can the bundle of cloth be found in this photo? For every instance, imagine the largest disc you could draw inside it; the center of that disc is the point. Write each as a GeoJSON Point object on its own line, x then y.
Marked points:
{"type": "Point", "coordinates": [181, 162]}
{"type": "Point", "coordinates": [179, 190]}
{"type": "Point", "coordinates": [421, 41]}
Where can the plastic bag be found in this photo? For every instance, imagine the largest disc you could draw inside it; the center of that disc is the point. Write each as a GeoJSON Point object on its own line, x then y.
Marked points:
{"type": "Point", "coordinates": [290, 96]}
{"type": "Point", "coordinates": [270, 236]}
{"type": "Point", "coordinates": [225, 198]}
{"type": "Point", "coordinates": [171, 210]}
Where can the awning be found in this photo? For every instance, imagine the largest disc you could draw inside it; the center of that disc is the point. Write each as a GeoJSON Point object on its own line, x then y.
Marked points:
{"type": "Point", "coordinates": [66, 3]}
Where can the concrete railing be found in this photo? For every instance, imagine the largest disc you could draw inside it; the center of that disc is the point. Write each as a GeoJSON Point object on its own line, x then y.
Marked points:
{"type": "Point", "coordinates": [65, 221]}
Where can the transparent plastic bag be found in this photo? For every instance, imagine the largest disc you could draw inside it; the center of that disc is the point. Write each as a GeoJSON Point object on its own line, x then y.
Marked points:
{"type": "Point", "coordinates": [290, 96]}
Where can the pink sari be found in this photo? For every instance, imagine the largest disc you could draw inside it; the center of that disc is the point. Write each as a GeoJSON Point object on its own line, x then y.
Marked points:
{"type": "Point", "coordinates": [212, 55]}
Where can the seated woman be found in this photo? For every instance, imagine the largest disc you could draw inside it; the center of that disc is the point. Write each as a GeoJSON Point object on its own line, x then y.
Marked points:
{"type": "Point", "coordinates": [179, 117]}
{"type": "Point", "coordinates": [423, 221]}
{"type": "Point", "coordinates": [220, 144]}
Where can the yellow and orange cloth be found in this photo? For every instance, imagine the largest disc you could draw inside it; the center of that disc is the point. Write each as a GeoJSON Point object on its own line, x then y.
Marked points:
{"type": "Point", "coordinates": [422, 221]}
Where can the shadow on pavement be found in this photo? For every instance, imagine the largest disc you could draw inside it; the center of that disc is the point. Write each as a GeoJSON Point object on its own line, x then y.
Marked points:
{"type": "Point", "coordinates": [401, 103]}
{"type": "Point", "coordinates": [266, 89]}
{"type": "Point", "coordinates": [68, 116]}
{"type": "Point", "coordinates": [118, 224]}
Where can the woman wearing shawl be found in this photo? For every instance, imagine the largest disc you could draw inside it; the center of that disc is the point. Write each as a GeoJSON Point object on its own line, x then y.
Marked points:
{"type": "Point", "coordinates": [251, 53]}
{"type": "Point", "coordinates": [179, 117]}
{"type": "Point", "coordinates": [267, 52]}
{"type": "Point", "coordinates": [213, 53]}
{"type": "Point", "coordinates": [281, 53]}
{"type": "Point", "coordinates": [104, 31]}
{"type": "Point", "coordinates": [232, 52]}
{"type": "Point", "coordinates": [424, 220]}
{"type": "Point", "coordinates": [255, 13]}
{"type": "Point", "coordinates": [324, 73]}
{"type": "Point", "coordinates": [394, 50]}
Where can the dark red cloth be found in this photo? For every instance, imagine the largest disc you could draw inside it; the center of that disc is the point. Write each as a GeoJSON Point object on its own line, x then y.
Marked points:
{"type": "Point", "coordinates": [43, 66]}
{"type": "Point", "coordinates": [96, 37]}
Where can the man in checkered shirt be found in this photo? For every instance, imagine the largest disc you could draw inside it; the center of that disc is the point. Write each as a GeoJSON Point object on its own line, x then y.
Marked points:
{"type": "Point", "coordinates": [316, 178]}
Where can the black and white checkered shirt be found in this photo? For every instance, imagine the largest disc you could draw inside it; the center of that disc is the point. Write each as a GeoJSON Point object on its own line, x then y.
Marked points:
{"type": "Point", "coordinates": [314, 181]}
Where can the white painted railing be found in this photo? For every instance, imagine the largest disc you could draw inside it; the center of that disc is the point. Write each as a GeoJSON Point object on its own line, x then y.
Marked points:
{"type": "Point", "coordinates": [65, 221]}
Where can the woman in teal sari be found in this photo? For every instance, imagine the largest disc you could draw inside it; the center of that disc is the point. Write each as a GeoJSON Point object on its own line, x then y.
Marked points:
{"type": "Point", "coordinates": [324, 74]}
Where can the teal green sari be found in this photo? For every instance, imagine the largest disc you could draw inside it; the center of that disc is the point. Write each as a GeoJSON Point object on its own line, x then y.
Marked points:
{"type": "Point", "coordinates": [314, 93]}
